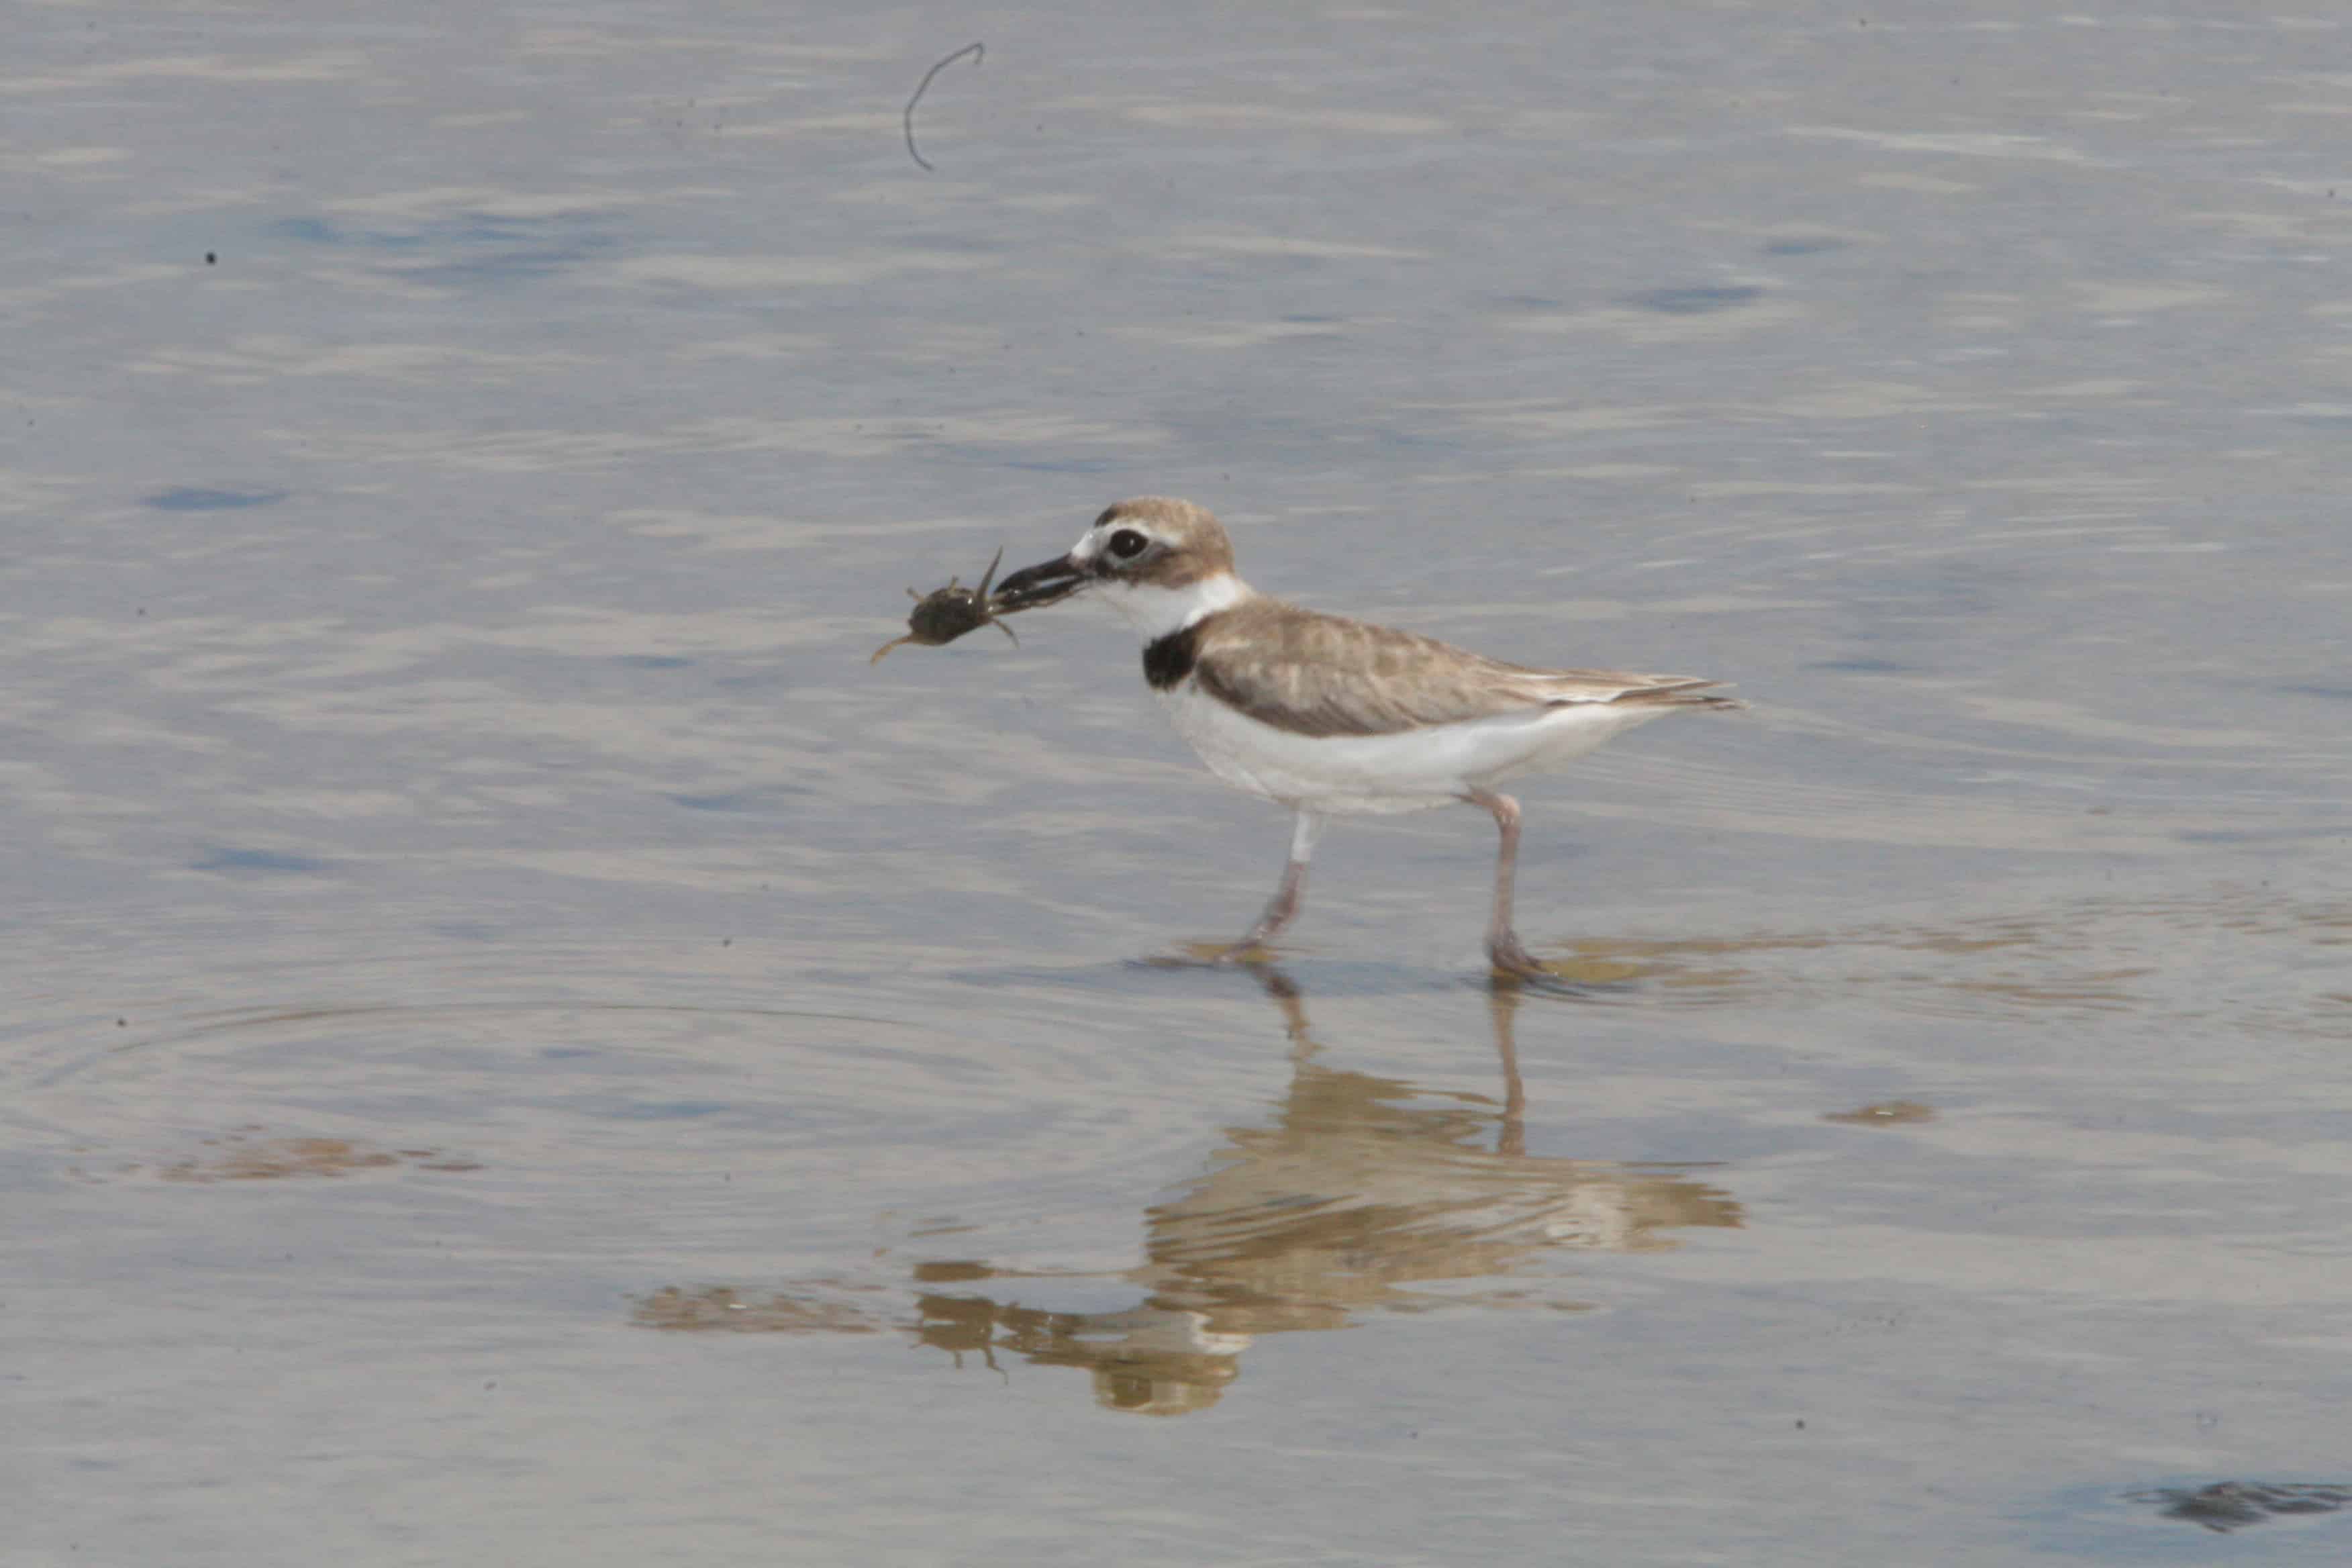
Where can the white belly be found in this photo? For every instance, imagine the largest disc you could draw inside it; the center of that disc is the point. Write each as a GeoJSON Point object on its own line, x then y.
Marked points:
{"type": "Point", "coordinates": [1406, 771]}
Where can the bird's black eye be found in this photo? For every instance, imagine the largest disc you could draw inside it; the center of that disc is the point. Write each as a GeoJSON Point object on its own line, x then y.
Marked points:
{"type": "Point", "coordinates": [1128, 543]}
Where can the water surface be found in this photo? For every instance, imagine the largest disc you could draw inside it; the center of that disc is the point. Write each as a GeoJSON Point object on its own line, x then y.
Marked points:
{"type": "Point", "coordinates": [523, 1045]}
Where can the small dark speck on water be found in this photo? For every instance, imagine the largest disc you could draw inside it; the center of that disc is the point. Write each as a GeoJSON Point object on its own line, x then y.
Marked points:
{"type": "Point", "coordinates": [122, 1023]}
{"type": "Point", "coordinates": [2227, 1506]}
{"type": "Point", "coordinates": [212, 258]}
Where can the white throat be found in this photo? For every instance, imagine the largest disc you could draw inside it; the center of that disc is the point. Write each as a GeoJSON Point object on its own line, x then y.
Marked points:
{"type": "Point", "coordinates": [1154, 611]}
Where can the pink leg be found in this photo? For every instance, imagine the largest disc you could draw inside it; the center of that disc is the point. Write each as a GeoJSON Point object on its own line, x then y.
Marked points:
{"type": "Point", "coordinates": [1502, 947]}
{"type": "Point", "coordinates": [1290, 895]}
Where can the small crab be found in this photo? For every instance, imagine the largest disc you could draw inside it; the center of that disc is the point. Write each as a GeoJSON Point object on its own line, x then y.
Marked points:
{"type": "Point", "coordinates": [946, 614]}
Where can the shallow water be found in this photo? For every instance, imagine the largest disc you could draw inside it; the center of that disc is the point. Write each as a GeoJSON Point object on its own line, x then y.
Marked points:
{"type": "Point", "coordinates": [523, 1045]}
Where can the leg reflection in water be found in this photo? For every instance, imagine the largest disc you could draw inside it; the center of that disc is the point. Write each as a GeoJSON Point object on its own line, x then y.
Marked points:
{"type": "Point", "coordinates": [1348, 1194]}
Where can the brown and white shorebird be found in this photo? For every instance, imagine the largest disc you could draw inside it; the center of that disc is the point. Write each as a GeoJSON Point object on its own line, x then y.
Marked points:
{"type": "Point", "coordinates": [1330, 716]}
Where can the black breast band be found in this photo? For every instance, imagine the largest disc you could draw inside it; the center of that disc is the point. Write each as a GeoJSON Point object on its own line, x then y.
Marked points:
{"type": "Point", "coordinates": [1169, 659]}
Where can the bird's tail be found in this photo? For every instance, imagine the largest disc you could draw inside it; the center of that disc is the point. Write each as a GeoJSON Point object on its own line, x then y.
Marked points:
{"type": "Point", "coordinates": [1677, 693]}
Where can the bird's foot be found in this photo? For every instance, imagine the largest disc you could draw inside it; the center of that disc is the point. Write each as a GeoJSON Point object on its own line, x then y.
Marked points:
{"type": "Point", "coordinates": [1512, 959]}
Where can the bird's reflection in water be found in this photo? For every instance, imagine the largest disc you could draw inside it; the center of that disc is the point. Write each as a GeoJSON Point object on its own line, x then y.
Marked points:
{"type": "Point", "coordinates": [1356, 1190]}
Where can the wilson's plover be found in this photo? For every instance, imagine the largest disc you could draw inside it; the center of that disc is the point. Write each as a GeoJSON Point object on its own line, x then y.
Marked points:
{"type": "Point", "coordinates": [1332, 716]}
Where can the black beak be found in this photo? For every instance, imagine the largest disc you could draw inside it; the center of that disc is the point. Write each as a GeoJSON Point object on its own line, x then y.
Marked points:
{"type": "Point", "coordinates": [1043, 584]}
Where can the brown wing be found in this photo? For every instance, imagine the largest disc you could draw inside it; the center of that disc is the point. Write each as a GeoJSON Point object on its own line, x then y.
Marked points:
{"type": "Point", "coordinates": [1324, 675]}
